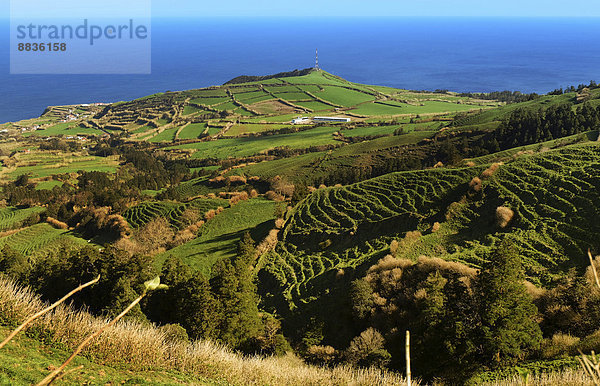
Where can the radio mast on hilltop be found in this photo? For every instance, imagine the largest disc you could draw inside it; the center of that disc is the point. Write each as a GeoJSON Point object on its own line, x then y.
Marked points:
{"type": "Point", "coordinates": [317, 60]}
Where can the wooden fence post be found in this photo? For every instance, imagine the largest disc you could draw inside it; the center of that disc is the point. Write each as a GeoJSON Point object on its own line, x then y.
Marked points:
{"type": "Point", "coordinates": [408, 381]}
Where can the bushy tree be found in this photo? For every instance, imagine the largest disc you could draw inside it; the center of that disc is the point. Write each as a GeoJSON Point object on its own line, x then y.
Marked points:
{"type": "Point", "coordinates": [508, 327]}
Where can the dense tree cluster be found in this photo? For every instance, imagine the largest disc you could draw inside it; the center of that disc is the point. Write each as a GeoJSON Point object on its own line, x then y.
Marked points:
{"type": "Point", "coordinates": [503, 96]}
{"type": "Point", "coordinates": [462, 320]}
{"type": "Point", "coordinates": [526, 126]}
{"type": "Point", "coordinates": [559, 91]}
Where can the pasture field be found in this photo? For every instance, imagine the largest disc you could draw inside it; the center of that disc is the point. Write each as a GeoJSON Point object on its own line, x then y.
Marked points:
{"type": "Point", "coordinates": [396, 108]}
{"type": "Point", "coordinates": [40, 239]}
{"type": "Point", "coordinates": [251, 128]}
{"type": "Point", "coordinates": [188, 110]}
{"type": "Point", "coordinates": [167, 135]}
{"type": "Point", "coordinates": [241, 147]}
{"type": "Point", "coordinates": [344, 97]}
{"type": "Point", "coordinates": [243, 112]}
{"type": "Point", "coordinates": [48, 185]}
{"type": "Point", "coordinates": [142, 129]}
{"type": "Point", "coordinates": [292, 96]}
{"type": "Point", "coordinates": [276, 119]}
{"type": "Point", "coordinates": [379, 109]}
{"type": "Point", "coordinates": [251, 97]}
{"type": "Point", "coordinates": [219, 237]}
{"type": "Point", "coordinates": [228, 105]}
{"type": "Point", "coordinates": [192, 131]}
{"type": "Point", "coordinates": [210, 101]}
{"type": "Point", "coordinates": [311, 165]}
{"type": "Point", "coordinates": [66, 129]}
{"type": "Point", "coordinates": [376, 130]}
{"type": "Point", "coordinates": [315, 105]}
{"type": "Point", "coordinates": [282, 89]}
{"type": "Point", "coordinates": [11, 217]}
{"type": "Point", "coordinates": [259, 98]}
{"type": "Point", "coordinates": [39, 164]}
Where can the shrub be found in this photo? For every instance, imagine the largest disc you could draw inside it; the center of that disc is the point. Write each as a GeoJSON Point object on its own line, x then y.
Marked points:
{"type": "Point", "coordinates": [321, 355]}
{"type": "Point", "coordinates": [210, 215]}
{"type": "Point", "coordinates": [366, 350]}
{"type": "Point", "coordinates": [189, 216]}
{"type": "Point", "coordinates": [476, 184]}
{"type": "Point", "coordinates": [559, 345]}
{"type": "Point", "coordinates": [243, 196]}
{"type": "Point", "coordinates": [491, 170]}
{"type": "Point", "coordinates": [174, 333]}
{"type": "Point", "coordinates": [503, 216]}
{"type": "Point", "coordinates": [56, 224]}
{"type": "Point", "coordinates": [394, 247]}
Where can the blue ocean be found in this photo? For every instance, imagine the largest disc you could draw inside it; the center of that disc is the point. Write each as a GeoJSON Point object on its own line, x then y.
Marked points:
{"type": "Point", "coordinates": [458, 54]}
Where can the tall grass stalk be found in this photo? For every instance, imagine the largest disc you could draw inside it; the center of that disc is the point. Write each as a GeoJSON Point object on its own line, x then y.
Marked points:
{"type": "Point", "coordinates": [591, 363]}
{"type": "Point", "coordinates": [45, 310]}
{"type": "Point", "coordinates": [53, 375]}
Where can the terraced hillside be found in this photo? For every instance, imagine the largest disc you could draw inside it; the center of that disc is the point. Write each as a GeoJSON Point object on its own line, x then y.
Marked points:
{"type": "Point", "coordinates": [12, 217]}
{"type": "Point", "coordinates": [141, 214]}
{"type": "Point", "coordinates": [554, 197]}
{"type": "Point", "coordinates": [219, 237]}
{"type": "Point", "coordinates": [42, 239]}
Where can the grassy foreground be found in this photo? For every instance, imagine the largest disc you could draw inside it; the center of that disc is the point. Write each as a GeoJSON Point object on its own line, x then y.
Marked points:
{"type": "Point", "coordinates": [144, 354]}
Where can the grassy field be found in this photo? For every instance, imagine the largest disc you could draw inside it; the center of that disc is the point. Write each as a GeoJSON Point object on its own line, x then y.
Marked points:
{"type": "Point", "coordinates": [251, 128]}
{"type": "Point", "coordinates": [47, 163]}
{"type": "Point", "coordinates": [192, 131]}
{"type": "Point", "coordinates": [317, 164]}
{"type": "Point", "coordinates": [344, 97]}
{"type": "Point", "coordinates": [377, 130]}
{"type": "Point", "coordinates": [187, 110]}
{"type": "Point", "coordinates": [165, 136]}
{"type": "Point", "coordinates": [241, 147]}
{"type": "Point", "coordinates": [396, 108]}
{"type": "Point", "coordinates": [220, 236]}
{"type": "Point", "coordinates": [315, 105]}
{"type": "Point", "coordinates": [48, 185]}
{"type": "Point", "coordinates": [12, 217]}
{"type": "Point", "coordinates": [40, 239]}
{"type": "Point", "coordinates": [66, 129]}
{"type": "Point", "coordinates": [141, 214]}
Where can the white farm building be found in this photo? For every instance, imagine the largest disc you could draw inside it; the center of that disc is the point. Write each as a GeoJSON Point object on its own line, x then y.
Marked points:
{"type": "Point", "coordinates": [305, 120]}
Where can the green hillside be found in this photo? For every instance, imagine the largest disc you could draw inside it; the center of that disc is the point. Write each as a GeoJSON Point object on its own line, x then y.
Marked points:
{"type": "Point", "coordinates": [421, 211]}
{"type": "Point", "coordinates": [553, 196]}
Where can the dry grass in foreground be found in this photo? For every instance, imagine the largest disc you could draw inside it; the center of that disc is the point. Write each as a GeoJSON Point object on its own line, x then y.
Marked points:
{"type": "Point", "coordinates": [564, 378]}
{"type": "Point", "coordinates": [142, 347]}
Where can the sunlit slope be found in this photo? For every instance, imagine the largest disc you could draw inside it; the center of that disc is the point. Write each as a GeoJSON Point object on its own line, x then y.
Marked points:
{"type": "Point", "coordinates": [555, 197]}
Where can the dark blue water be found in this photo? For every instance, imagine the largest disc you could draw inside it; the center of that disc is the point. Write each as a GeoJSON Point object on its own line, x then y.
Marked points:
{"type": "Point", "coordinates": [530, 55]}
